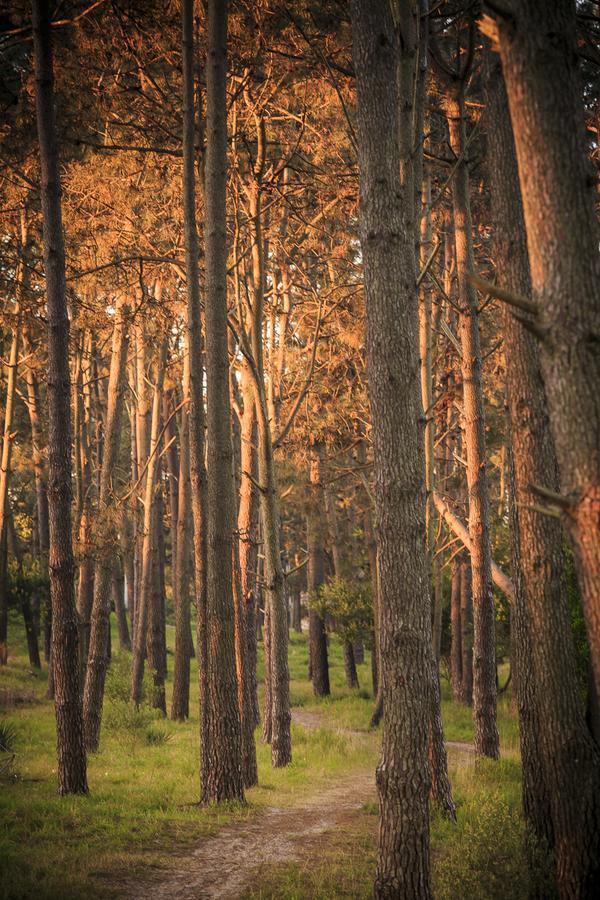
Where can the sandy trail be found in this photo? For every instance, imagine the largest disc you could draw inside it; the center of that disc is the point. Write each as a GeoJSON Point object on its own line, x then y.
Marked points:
{"type": "Point", "coordinates": [224, 865]}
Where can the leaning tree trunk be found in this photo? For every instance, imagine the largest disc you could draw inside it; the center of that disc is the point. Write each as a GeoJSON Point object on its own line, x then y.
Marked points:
{"type": "Point", "coordinates": [95, 675]}
{"type": "Point", "coordinates": [387, 241]}
{"type": "Point", "coordinates": [223, 770]}
{"type": "Point", "coordinates": [69, 719]}
{"type": "Point", "coordinates": [538, 48]}
{"type": "Point", "coordinates": [561, 762]}
{"type": "Point", "coordinates": [484, 638]}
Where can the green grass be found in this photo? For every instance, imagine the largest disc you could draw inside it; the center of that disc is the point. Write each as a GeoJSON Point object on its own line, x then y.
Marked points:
{"type": "Point", "coordinates": [144, 788]}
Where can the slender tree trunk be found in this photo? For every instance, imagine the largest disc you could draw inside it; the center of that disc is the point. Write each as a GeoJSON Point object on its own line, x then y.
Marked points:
{"type": "Point", "coordinates": [248, 528]}
{"type": "Point", "coordinates": [561, 762]}
{"type": "Point", "coordinates": [156, 647]}
{"type": "Point", "coordinates": [315, 541]}
{"type": "Point", "coordinates": [538, 48]}
{"type": "Point", "coordinates": [224, 779]}
{"type": "Point", "coordinates": [466, 630]}
{"type": "Point", "coordinates": [118, 594]}
{"type": "Point", "coordinates": [144, 596]}
{"type": "Point", "coordinates": [484, 638]}
{"type": "Point", "coordinates": [83, 415]}
{"type": "Point", "coordinates": [69, 720]}
{"type": "Point", "coordinates": [180, 706]}
{"type": "Point", "coordinates": [95, 675]}
{"type": "Point", "coordinates": [455, 629]}
{"type": "Point", "coordinates": [195, 349]}
{"type": "Point", "coordinates": [11, 384]}
{"type": "Point", "coordinates": [387, 241]}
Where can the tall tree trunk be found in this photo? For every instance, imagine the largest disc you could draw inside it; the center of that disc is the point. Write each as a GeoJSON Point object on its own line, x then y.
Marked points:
{"type": "Point", "coordinates": [83, 416]}
{"type": "Point", "coordinates": [93, 694]}
{"type": "Point", "coordinates": [180, 705]}
{"type": "Point", "coordinates": [144, 597]}
{"type": "Point", "coordinates": [198, 487]}
{"type": "Point", "coordinates": [248, 527]}
{"type": "Point", "coordinates": [156, 646]}
{"type": "Point", "coordinates": [223, 771]}
{"type": "Point", "coordinates": [69, 720]}
{"type": "Point", "coordinates": [538, 48]}
{"type": "Point", "coordinates": [484, 637]}
{"type": "Point", "coordinates": [11, 384]}
{"type": "Point", "coordinates": [315, 541]}
{"type": "Point", "coordinates": [387, 241]}
{"type": "Point", "coordinates": [561, 762]}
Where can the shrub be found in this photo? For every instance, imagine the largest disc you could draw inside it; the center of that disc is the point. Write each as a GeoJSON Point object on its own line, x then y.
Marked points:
{"type": "Point", "coordinates": [486, 860]}
{"type": "Point", "coordinates": [348, 604]}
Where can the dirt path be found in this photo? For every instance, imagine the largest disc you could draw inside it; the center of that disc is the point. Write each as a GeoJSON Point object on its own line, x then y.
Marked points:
{"type": "Point", "coordinates": [224, 865]}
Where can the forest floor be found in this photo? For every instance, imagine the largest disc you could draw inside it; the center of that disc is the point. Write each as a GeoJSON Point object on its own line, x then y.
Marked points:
{"type": "Point", "coordinates": [307, 831]}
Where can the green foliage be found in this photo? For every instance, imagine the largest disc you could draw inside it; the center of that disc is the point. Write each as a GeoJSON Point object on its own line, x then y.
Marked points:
{"type": "Point", "coordinates": [27, 582]}
{"type": "Point", "coordinates": [347, 604]}
{"type": "Point", "coordinates": [8, 736]}
{"type": "Point", "coordinates": [486, 859]}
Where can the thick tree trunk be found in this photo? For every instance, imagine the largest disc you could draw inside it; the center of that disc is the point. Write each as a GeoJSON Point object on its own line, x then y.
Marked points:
{"type": "Point", "coordinates": [95, 675]}
{"type": "Point", "coordinates": [561, 762]}
{"type": "Point", "coordinates": [223, 771]}
{"type": "Point", "coordinates": [387, 241]}
{"type": "Point", "coordinates": [484, 638]}
{"type": "Point", "coordinates": [538, 48]}
{"type": "Point", "coordinates": [69, 720]}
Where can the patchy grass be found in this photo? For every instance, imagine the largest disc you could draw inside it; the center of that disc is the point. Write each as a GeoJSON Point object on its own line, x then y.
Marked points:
{"type": "Point", "coordinates": [144, 790]}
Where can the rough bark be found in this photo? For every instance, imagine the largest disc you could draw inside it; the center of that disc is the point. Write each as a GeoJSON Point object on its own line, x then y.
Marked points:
{"type": "Point", "coordinates": [538, 48]}
{"type": "Point", "coordinates": [561, 762]}
{"type": "Point", "coordinates": [387, 241]}
{"type": "Point", "coordinates": [69, 720]}
{"type": "Point", "coordinates": [223, 771]}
